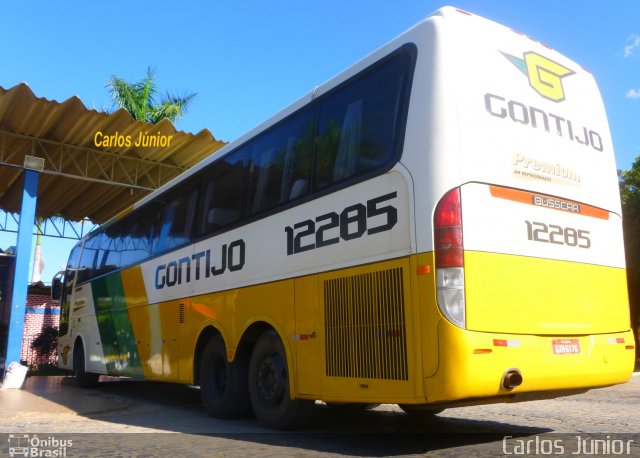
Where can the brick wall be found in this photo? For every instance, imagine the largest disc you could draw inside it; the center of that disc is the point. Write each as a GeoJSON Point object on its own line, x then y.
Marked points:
{"type": "Point", "coordinates": [40, 313]}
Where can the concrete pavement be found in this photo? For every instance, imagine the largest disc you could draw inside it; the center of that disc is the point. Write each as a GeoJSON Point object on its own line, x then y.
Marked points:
{"type": "Point", "coordinates": [53, 409]}
{"type": "Point", "coordinates": [55, 395]}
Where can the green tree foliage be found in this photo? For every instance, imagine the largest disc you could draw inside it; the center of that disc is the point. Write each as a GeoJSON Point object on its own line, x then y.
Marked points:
{"type": "Point", "coordinates": [630, 196]}
{"type": "Point", "coordinates": [143, 101]}
{"type": "Point", "coordinates": [45, 344]}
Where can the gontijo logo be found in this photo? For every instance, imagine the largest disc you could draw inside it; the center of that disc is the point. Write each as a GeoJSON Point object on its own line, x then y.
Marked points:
{"type": "Point", "coordinates": [545, 76]}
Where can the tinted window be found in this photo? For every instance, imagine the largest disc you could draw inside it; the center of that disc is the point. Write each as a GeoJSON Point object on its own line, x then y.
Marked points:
{"type": "Point", "coordinates": [102, 244]}
{"type": "Point", "coordinates": [360, 124]}
{"type": "Point", "coordinates": [222, 191]}
{"type": "Point", "coordinates": [280, 164]}
{"type": "Point", "coordinates": [89, 258]}
{"type": "Point", "coordinates": [134, 238]}
{"type": "Point", "coordinates": [175, 216]}
{"type": "Point", "coordinates": [111, 249]}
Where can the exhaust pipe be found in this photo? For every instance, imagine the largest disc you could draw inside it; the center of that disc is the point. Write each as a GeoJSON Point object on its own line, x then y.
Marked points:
{"type": "Point", "coordinates": [511, 379]}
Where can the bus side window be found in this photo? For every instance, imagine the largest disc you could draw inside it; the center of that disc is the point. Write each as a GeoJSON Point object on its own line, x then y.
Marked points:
{"type": "Point", "coordinates": [178, 215]}
{"type": "Point", "coordinates": [88, 260]}
{"type": "Point", "coordinates": [222, 199]}
{"type": "Point", "coordinates": [100, 261]}
{"type": "Point", "coordinates": [359, 124]}
{"type": "Point", "coordinates": [135, 239]}
{"type": "Point", "coordinates": [280, 164]}
{"type": "Point", "coordinates": [111, 259]}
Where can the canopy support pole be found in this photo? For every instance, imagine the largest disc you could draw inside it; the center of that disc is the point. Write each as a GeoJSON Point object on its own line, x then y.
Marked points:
{"type": "Point", "coordinates": [21, 276]}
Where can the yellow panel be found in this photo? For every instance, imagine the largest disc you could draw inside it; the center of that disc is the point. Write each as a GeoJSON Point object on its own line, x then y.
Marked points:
{"type": "Point", "coordinates": [133, 285]}
{"type": "Point", "coordinates": [169, 338]}
{"type": "Point", "coordinates": [233, 311]}
{"type": "Point", "coordinates": [155, 328]}
{"type": "Point", "coordinates": [518, 294]}
{"type": "Point", "coordinates": [270, 302]}
{"type": "Point", "coordinates": [427, 312]}
{"type": "Point", "coordinates": [187, 337]}
{"type": "Point", "coordinates": [309, 341]}
{"type": "Point", "coordinates": [471, 366]}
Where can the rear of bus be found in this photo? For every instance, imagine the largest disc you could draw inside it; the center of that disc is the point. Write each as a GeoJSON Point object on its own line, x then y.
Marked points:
{"type": "Point", "coordinates": [529, 259]}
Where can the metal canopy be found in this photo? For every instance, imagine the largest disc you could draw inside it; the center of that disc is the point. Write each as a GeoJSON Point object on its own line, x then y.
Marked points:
{"type": "Point", "coordinates": [81, 180]}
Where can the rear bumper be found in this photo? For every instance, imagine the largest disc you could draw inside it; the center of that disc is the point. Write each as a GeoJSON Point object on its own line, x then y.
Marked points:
{"type": "Point", "coordinates": [471, 365]}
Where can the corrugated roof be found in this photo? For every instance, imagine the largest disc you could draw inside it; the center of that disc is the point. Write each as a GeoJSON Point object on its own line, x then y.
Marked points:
{"type": "Point", "coordinates": [81, 179]}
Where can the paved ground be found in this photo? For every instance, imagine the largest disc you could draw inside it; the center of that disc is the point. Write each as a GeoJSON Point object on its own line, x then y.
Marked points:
{"type": "Point", "coordinates": [53, 409]}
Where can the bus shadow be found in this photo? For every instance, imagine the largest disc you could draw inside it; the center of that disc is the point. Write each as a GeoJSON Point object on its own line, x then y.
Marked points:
{"type": "Point", "coordinates": [383, 431]}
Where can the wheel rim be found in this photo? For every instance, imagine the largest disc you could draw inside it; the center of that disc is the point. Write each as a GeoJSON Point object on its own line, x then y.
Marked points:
{"type": "Point", "coordinates": [272, 379]}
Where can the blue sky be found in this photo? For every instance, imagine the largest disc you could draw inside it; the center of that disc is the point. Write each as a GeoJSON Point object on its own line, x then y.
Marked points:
{"type": "Point", "coordinates": [247, 60]}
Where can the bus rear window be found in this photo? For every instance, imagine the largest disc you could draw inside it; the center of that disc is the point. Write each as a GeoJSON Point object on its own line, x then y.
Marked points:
{"type": "Point", "coordinates": [360, 123]}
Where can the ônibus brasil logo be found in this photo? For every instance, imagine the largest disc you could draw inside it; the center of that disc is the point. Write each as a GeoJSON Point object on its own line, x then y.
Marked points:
{"type": "Point", "coordinates": [545, 76]}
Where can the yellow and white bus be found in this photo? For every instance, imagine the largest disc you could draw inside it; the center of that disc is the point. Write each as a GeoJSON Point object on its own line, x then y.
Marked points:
{"type": "Point", "coordinates": [438, 225]}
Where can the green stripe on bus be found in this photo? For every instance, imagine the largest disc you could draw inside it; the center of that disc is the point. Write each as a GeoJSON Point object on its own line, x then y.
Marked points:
{"type": "Point", "coordinates": [116, 332]}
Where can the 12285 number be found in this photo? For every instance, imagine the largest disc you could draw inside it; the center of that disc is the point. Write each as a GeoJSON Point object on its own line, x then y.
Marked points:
{"type": "Point", "coordinates": [351, 223]}
{"type": "Point", "coordinates": [551, 233]}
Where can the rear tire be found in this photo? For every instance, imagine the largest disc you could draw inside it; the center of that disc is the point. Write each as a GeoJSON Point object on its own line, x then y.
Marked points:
{"type": "Point", "coordinates": [83, 379]}
{"type": "Point", "coordinates": [223, 385]}
{"type": "Point", "coordinates": [269, 387]}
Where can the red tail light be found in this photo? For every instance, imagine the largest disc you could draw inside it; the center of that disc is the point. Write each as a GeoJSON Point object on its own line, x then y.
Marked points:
{"type": "Point", "coordinates": [448, 231]}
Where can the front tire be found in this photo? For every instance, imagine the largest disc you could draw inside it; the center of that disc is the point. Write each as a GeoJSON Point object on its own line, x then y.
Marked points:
{"type": "Point", "coordinates": [223, 385]}
{"type": "Point", "coordinates": [269, 387]}
{"type": "Point", "coordinates": [83, 379]}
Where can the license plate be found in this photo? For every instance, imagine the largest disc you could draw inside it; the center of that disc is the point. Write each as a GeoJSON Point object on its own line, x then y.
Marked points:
{"type": "Point", "coordinates": [566, 346]}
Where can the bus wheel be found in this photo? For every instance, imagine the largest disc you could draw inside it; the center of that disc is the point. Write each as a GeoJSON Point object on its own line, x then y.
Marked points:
{"type": "Point", "coordinates": [83, 379]}
{"type": "Point", "coordinates": [419, 411]}
{"type": "Point", "coordinates": [223, 385]}
{"type": "Point", "coordinates": [269, 387]}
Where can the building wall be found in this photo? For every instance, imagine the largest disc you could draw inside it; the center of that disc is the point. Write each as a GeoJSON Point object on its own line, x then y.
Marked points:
{"type": "Point", "coordinates": [41, 312]}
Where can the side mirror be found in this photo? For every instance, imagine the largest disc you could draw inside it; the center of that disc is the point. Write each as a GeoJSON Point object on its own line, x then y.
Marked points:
{"type": "Point", "coordinates": [56, 286]}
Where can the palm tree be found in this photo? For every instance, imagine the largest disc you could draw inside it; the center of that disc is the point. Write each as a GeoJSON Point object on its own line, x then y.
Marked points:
{"type": "Point", "coordinates": [140, 99]}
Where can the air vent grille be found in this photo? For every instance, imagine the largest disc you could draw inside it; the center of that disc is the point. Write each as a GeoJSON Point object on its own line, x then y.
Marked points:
{"type": "Point", "coordinates": [365, 326]}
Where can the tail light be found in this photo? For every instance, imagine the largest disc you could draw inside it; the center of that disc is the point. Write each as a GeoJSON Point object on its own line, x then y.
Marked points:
{"type": "Point", "coordinates": [449, 252]}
